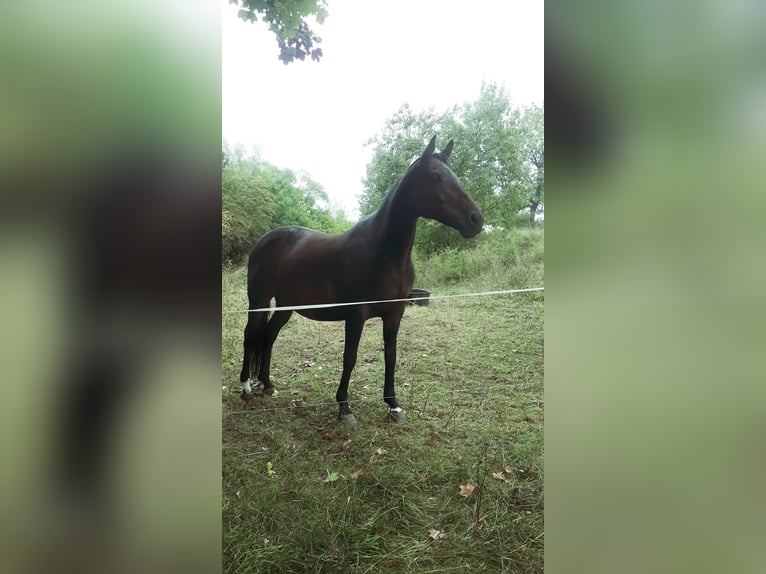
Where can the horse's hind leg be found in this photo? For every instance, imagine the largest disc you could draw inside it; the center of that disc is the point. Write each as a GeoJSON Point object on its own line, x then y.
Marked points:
{"type": "Point", "coordinates": [278, 320]}
{"type": "Point", "coordinates": [252, 350]}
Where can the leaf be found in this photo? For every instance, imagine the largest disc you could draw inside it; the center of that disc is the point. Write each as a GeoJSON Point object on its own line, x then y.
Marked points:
{"type": "Point", "coordinates": [356, 474]}
{"type": "Point", "coordinates": [270, 469]}
{"type": "Point", "coordinates": [331, 477]}
{"type": "Point", "coordinates": [381, 451]}
{"type": "Point", "coordinates": [498, 475]}
{"type": "Point", "coordinates": [466, 490]}
{"type": "Point", "coordinates": [346, 445]}
{"type": "Point", "coordinates": [327, 434]}
{"type": "Point", "coordinates": [435, 534]}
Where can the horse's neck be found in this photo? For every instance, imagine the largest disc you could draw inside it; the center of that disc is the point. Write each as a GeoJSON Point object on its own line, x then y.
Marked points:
{"type": "Point", "coordinates": [395, 224]}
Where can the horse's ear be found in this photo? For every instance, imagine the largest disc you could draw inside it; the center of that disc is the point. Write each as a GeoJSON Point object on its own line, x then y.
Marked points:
{"type": "Point", "coordinates": [430, 149]}
{"type": "Point", "coordinates": [447, 150]}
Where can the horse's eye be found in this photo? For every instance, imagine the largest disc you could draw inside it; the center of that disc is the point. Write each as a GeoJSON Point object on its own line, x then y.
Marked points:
{"type": "Point", "coordinates": [435, 177]}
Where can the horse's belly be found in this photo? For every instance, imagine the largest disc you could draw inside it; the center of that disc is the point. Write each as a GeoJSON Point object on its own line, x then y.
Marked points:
{"type": "Point", "coordinates": [326, 314]}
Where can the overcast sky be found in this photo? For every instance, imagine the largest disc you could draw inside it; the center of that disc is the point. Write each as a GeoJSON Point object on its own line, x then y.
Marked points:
{"type": "Point", "coordinates": [377, 56]}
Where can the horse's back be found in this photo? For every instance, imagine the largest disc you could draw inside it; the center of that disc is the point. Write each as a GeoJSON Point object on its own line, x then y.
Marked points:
{"type": "Point", "coordinates": [281, 241]}
{"type": "Point", "coordinates": [288, 248]}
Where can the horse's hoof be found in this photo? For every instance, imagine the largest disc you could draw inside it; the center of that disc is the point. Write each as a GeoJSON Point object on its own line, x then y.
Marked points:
{"type": "Point", "coordinates": [348, 419]}
{"type": "Point", "coordinates": [271, 391]}
{"type": "Point", "coordinates": [245, 396]}
{"type": "Point", "coordinates": [397, 415]}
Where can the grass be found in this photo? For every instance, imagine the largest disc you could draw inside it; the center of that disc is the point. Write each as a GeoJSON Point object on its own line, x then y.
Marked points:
{"type": "Point", "coordinates": [372, 498]}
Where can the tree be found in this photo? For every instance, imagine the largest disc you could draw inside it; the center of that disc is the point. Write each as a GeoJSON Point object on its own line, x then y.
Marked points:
{"type": "Point", "coordinates": [533, 154]}
{"type": "Point", "coordinates": [247, 206]}
{"type": "Point", "coordinates": [258, 196]}
{"type": "Point", "coordinates": [286, 19]}
{"type": "Point", "coordinates": [488, 159]}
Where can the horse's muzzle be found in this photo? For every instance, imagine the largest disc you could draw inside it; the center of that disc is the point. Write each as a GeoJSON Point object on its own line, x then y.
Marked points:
{"type": "Point", "coordinates": [474, 224]}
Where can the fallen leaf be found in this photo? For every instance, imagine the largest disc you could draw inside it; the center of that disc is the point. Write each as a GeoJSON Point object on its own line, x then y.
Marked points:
{"type": "Point", "coordinates": [270, 469]}
{"type": "Point", "coordinates": [508, 469]}
{"type": "Point", "coordinates": [326, 434]}
{"type": "Point", "coordinates": [466, 490]}
{"type": "Point", "coordinates": [356, 474]}
{"type": "Point", "coordinates": [236, 494]}
{"type": "Point", "coordinates": [346, 445]}
{"type": "Point", "coordinates": [498, 475]}
{"type": "Point", "coordinates": [435, 534]}
{"type": "Point", "coordinates": [381, 451]}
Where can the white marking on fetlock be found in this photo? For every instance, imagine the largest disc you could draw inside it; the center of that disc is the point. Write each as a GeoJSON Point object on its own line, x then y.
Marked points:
{"type": "Point", "coordinates": [395, 410]}
{"type": "Point", "coordinates": [246, 387]}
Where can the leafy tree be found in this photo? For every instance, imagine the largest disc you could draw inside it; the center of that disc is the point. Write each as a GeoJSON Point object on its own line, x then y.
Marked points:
{"type": "Point", "coordinates": [247, 206]}
{"type": "Point", "coordinates": [489, 158]}
{"type": "Point", "coordinates": [287, 20]}
{"type": "Point", "coordinates": [258, 196]}
{"type": "Point", "coordinates": [533, 155]}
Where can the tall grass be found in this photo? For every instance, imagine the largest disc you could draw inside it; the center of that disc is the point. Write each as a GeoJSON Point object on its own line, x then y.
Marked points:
{"type": "Point", "coordinates": [500, 260]}
{"type": "Point", "coordinates": [303, 493]}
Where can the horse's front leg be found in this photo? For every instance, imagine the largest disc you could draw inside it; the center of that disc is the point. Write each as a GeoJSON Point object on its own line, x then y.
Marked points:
{"type": "Point", "coordinates": [353, 334]}
{"type": "Point", "coordinates": [390, 331]}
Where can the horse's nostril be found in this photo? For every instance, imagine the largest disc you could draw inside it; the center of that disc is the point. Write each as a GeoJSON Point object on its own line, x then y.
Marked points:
{"type": "Point", "coordinates": [476, 219]}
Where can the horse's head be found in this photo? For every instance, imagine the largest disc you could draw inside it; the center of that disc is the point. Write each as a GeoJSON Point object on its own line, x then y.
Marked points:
{"type": "Point", "coordinates": [439, 196]}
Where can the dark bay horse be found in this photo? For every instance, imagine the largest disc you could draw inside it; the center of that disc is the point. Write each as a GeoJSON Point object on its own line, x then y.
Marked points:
{"type": "Point", "coordinates": [369, 262]}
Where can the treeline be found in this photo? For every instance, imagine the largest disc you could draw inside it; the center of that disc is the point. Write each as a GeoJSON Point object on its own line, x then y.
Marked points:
{"type": "Point", "coordinates": [258, 197]}
{"type": "Point", "coordinates": [498, 157]}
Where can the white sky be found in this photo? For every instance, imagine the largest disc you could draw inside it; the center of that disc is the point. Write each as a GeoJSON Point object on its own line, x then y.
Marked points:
{"type": "Point", "coordinates": [377, 56]}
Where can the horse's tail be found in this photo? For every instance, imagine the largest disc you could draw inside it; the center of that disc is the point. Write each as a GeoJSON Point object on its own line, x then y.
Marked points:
{"type": "Point", "coordinates": [255, 342]}
{"type": "Point", "coordinates": [256, 328]}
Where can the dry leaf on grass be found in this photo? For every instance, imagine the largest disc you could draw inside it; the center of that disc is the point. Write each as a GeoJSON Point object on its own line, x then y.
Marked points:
{"type": "Point", "coordinates": [356, 474]}
{"type": "Point", "coordinates": [435, 534]}
{"type": "Point", "coordinates": [326, 434]}
{"type": "Point", "coordinates": [381, 451]}
{"type": "Point", "coordinates": [498, 475]}
{"type": "Point", "coordinates": [346, 445]}
{"type": "Point", "coordinates": [466, 490]}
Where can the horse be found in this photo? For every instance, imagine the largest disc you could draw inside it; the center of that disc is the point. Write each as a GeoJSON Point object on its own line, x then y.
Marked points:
{"type": "Point", "coordinates": [371, 261]}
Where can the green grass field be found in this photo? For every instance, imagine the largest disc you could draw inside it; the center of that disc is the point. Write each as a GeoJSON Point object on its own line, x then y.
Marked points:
{"type": "Point", "coordinates": [460, 485]}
